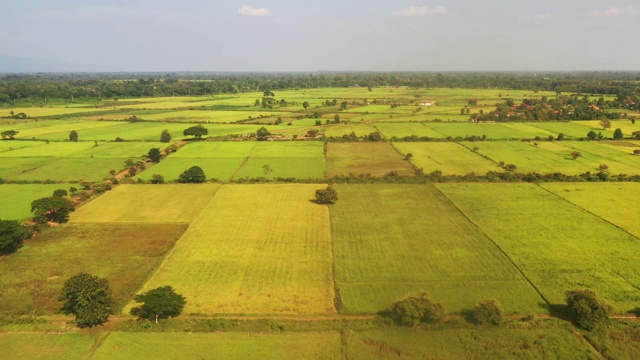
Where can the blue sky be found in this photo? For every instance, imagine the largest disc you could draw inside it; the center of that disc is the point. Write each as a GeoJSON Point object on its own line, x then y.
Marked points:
{"type": "Point", "coordinates": [300, 35]}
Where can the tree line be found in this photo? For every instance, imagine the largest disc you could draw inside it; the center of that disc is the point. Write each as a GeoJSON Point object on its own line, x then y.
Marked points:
{"type": "Point", "coordinates": [41, 87]}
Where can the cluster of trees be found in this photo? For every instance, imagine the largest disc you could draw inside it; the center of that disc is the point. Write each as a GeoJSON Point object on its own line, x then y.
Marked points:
{"type": "Point", "coordinates": [90, 299]}
{"type": "Point", "coordinates": [419, 308]}
{"type": "Point", "coordinates": [560, 108]}
{"type": "Point", "coordinates": [12, 235]}
{"type": "Point", "coordinates": [116, 86]}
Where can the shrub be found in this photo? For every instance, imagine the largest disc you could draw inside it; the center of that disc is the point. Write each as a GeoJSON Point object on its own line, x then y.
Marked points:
{"type": "Point", "coordinates": [326, 196]}
{"type": "Point", "coordinates": [60, 192]}
{"type": "Point", "coordinates": [487, 311]}
{"type": "Point", "coordinates": [12, 234]}
{"type": "Point", "coordinates": [415, 309]}
{"type": "Point", "coordinates": [157, 179]}
{"type": "Point", "coordinates": [586, 309]}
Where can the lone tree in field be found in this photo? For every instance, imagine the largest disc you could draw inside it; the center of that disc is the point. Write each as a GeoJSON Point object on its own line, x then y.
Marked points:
{"type": "Point", "coordinates": [305, 104]}
{"type": "Point", "coordinates": [193, 175]}
{"type": "Point", "coordinates": [196, 131]}
{"type": "Point", "coordinates": [88, 297]}
{"type": "Point", "coordinates": [487, 311]}
{"type": "Point", "coordinates": [575, 154]}
{"type": "Point", "coordinates": [605, 123]}
{"type": "Point", "coordinates": [415, 309]}
{"type": "Point", "coordinates": [9, 134]}
{"type": "Point", "coordinates": [591, 135]}
{"type": "Point", "coordinates": [12, 234]}
{"type": "Point", "coordinates": [165, 136]}
{"type": "Point", "coordinates": [159, 303]}
{"type": "Point", "coordinates": [73, 136]}
{"type": "Point", "coordinates": [586, 309]}
{"type": "Point", "coordinates": [617, 134]}
{"type": "Point", "coordinates": [326, 196]}
{"type": "Point", "coordinates": [53, 208]}
{"type": "Point", "coordinates": [154, 155]}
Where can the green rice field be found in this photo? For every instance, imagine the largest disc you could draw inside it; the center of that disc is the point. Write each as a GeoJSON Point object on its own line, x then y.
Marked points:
{"type": "Point", "coordinates": [556, 244]}
{"type": "Point", "coordinates": [375, 159]}
{"type": "Point", "coordinates": [17, 198]}
{"type": "Point", "coordinates": [448, 157]}
{"type": "Point", "coordinates": [401, 246]}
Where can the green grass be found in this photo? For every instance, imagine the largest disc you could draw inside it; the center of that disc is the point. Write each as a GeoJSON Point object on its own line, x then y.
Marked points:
{"type": "Point", "coordinates": [297, 149]}
{"type": "Point", "coordinates": [16, 199]}
{"type": "Point", "coordinates": [491, 130]}
{"type": "Point", "coordinates": [242, 255]}
{"type": "Point", "coordinates": [169, 203]}
{"type": "Point", "coordinates": [552, 157]}
{"type": "Point", "coordinates": [393, 240]}
{"type": "Point", "coordinates": [448, 157]}
{"type": "Point", "coordinates": [53, 149]}
{"type": "Point", "coordinates": [486, 343]}
{"type": "Point", "coordinates": [569, 129]}
{"type": "Point", "coordinates": [41, 346]}
{"type": "Point", "coordinates": [557, 245]}
{"type": "Point", "coordinates": [230, 149]}
{"type": "Point", "coordinates": [125, 254]}
{"type": "Point", "coordinates": [614, 202]}
{"type": "Point", "coordinates": [390, 130]}
{"type": "Point", "coordinates": [215, 116]}
{"type": "Point", "coordinates": [123, 345]}
{"type": "Point", "coordinates": [12, 167]}
{"type": "Point", "coordinates": [70, 169]}
{"type": "Point", "coordinates": [376, 159]}
{"type": "Point", "coordinates": [360, 129]}
{"type": "Point", "coordinates": [288, 167]}
{"type": "Point", "coordinates": [621, 341]}
{"type": "Point", "coordinates": [213, 167]}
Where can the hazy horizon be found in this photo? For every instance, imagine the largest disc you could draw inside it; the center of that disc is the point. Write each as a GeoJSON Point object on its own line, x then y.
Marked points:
{"type": "Point", "coordinates": [313, 36]}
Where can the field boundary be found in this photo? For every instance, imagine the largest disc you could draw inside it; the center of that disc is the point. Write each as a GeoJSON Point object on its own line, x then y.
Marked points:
{"type": "Point", "coordinates": [337, 299]}
{"type": "Point", "coordinates": [524, 276]}
{"type": "Point", "coordinates": [168, 254]}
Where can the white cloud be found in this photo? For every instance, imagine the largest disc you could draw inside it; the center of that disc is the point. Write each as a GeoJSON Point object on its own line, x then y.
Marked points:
{"type": "Point", "coordinates": [248, 10]}
{"type": "Point", "coordinates": [616, 11]}
{"type": "Point", "coordinates": [421, 11]}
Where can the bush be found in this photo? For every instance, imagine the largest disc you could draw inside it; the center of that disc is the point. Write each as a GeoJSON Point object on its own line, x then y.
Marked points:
{"type": "Point", "coordinates": [326, 196]}
{"type": "Point", "coordinates": [60, 192]}
{"type": "Point", "coordinates": [586, 309]}
{"type": "Point", "coordinates": [157, 179]}
{"type": "Point", "coordinates": [12, 234]}
{"type": "Point", "coordinates": [487, 311]}
{"type": "Point", "coordinates": [415, 309]}
{"type": "Point", "coordinates": [194, 174]}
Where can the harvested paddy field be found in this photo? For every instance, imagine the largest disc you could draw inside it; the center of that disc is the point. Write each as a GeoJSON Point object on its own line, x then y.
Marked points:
{"type": "Point", "coordinates": [169, 203]}
{"type": "Point", "coordinates": [124, 254]}
{"type": "Point", "coordinates": [375, 159]}
{"type": "Point", "coordinates": [557, 245]}
{"type": "Point", "coordinates": [394, 240]}
{"type": "Point", "coordinates": [42, 346]}
{"type": "Point", "coordinates": [242, 256]}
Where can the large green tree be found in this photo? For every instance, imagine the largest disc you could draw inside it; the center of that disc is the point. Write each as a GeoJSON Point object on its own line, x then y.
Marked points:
{"type": "Point", "coordinates": [160, 303]}
{"type": "Point", "coordinates": [194, 174]}
{"type": "Point", "coordinates": [88, 297]}
{"type": "Point", "coordinates": [53, 208]}
{"type": "Point", "coordinates": [586, 309]}
{"type": "Point", "coordinates": [154, 155]}
{"type": "Point", "coordinates": [196, 131]}
{"type": "Point", "coordinates": [415, 309]}
{"type": "Point", "coordinates": [9, 134]}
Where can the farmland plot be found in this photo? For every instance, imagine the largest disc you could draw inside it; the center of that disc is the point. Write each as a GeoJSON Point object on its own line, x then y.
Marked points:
{"type": "Point", "coordinates": [221, 345]}
{"type": "Point", "coordinates": [17, 198]}
{"type": "Point", "coordinates": [170, 203]}
{"type": "Point", "coordinates": [614, 202]}
{"type": "Point", "coordinates": [557, 245]}
{"type": "Point", "coordinates": [394, 240]}
{"type": "Point", "coordinates": [242, 255]}
{"type": "Point", "coordinates": [214, 167]}
{"type": "Point", "coordinates": [41, 346]}
{"type": "Point", "coordinates": [448, 157]}
{"type": "Point", "coordinates": [486, 343]}
{"type": "Point", "coordinates": [390, 130]}
{"type": "Point", "coordinates": [376, 159]}
{"type": "Point", "coordinates": [124, 254]}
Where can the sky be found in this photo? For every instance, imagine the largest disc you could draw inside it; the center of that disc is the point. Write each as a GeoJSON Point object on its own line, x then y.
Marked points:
{"type": "Point", "coordinates": [312, 35]}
